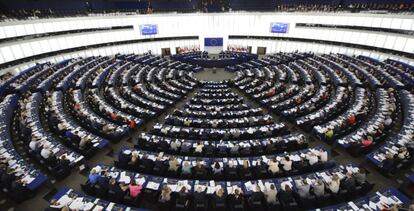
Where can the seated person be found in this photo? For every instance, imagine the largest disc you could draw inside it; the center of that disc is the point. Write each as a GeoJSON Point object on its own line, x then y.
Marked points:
{"type": "Point", "coordinates": [219, 197]}
{"type": "Point", "coordinates": [200, 197]}
{"type": "Point", "coordinates": [323, 155]}
{"type": "Point", "coordinates": [175, 145]}
{"type": "Point", "coordinates": [318, 188]}
{"type": "Point", "coordinates": [348, 183]}
{"type": "Point", "coordinates": [93, 177]}
{"type": "Point", "coordinates": [286, 163]}
{"type": "Point", "coordinates": [173, 164]}
{"type": "Point", "coordinates": [302, 188]}
{"type": "Point", "coordinates": [217, 169]}
{"type": "Point", "coordinates": [103, 181]}
{"type": "Point", "coordinates": [159, 166]}
{"type": "Point", "coordinates": [134, 160]}
{"type": "Point", "coordinates": [63, 163]}
{"type": "Point", "coordinates": [199, 169]}
{"type": "Point", "coordinates": [312, 158]}
{"type": "Point", "coordinates": [34, 144]}
{"type": "Point", "coordinates": [124, 157]}
{"type": "Point", "coordinates": [236, 199]}
{"type": "Point", "coordinates": [286, 194]}
{"type": "Point", "coordinates": [388, 163]}
{"type": "Point", "coordinates": [403, 154]}
{"type": "Point", "coordinates": [76, 139]}
{"type": "Point", "coordinates": [234, 149]}
{"type": "Point", "coordinates": [244, 169]}
{"type": "Point", "coordinates": [134, 189]}
{"type": "Point", "coordinates": [85, 143]}
{"type": "Point", "coordinates": [146, 163]}
{"type": "Point", "coordinates": [198, 148]}
{"type": "Point", "coordinates": [367, 142]}
{"type": "Point", "coordinates": [257, 195]}
{"type": "Point", "coordinates": [46, 151]}
{"type": "Point", "coordinates": [329, 133]}
{"type": "Point", "coordinates": [334, 184]}
{"type": "Point", "coordinates": [115, 188]}
{"type": "Point", "coordinates": [18, 190]}
{"type": "Point", "coordinates": [208, 149]}
{"type": "Point", "coordinates": [7, 178]}
{"type": "Point", "coordinates": [271, 194]}
{"type": "Point", "coordinates": [186, 169]}
{"type": "Point", "coordinates": [273, 166]}
{"type": "Point", "coordinates": [182, 197]}
{"type": "Point", "coordinates": [360, 176]}
{"type": "Point", "coordinates": [230, 170]}
{"type": "Point", "coordinates": [165, 195]}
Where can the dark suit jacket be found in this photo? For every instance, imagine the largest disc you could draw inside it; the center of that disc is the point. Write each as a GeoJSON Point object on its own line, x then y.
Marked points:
{"type": "Point", "coordinates": [285, 196]}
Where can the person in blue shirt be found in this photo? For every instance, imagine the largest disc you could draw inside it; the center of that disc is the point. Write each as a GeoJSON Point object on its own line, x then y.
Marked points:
{"type": "Point", "coordinates": [93, 177]}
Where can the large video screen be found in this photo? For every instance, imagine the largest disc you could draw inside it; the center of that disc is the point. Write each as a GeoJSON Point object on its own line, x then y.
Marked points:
{"type": "Point", "coordinates": [213, 41]}
{"type": "Point", "coordinates": [279, 27]}
{"type": "Point", "coordinates": [149, 29]}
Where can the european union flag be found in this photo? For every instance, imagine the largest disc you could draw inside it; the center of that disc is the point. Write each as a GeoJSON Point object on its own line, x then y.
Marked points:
{"type": "Point", "coordinates": [215, 41]}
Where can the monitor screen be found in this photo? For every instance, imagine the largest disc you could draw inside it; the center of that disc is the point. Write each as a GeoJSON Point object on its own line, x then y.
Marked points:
{"type": "Point", "coordinates": [279, 27]}
{"type": "Point", "coordinates": [213, 41]}
{"type": "Point", "coordinates": [148, 29]}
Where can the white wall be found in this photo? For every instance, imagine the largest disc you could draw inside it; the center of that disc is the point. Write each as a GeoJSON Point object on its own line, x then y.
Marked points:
{"type": "Point", "coordinates": [204, 25]}
{"type": "Point", "coordinates": [155, 48]}
{"type": "Point", "coordinates": [275, 46]}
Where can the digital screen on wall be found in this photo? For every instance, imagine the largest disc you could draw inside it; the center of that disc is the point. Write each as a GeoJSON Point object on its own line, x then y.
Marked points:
{"type": "Point", "coordinates": [279, 27]}
{"type": "Point", "coordinates": [213, 41]}
{"type": "Point", "coordinates": [149, 29]}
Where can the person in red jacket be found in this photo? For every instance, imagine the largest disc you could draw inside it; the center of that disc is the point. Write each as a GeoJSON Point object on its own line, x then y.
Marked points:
{"type": "Point", "coordinates": [367, 142]}
{"type": "Point", "coordinates": [351, 120]}
{"type": "Point", "coordinates": [77, 107]}
{"type": "Point", "coordinates": [131, 124]}
{"type": "Point", "coordinates": [271, 92]}
{"type": "Point", "coordinates": [113, 116]}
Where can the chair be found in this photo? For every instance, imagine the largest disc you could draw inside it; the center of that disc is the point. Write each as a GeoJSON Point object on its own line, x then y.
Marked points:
{"type": "Point", "coordinates": [88, 189]}
{"type": "Point", "coordinates": [113, 196]}
{"type": "Point", "coordinates": [180, 205]}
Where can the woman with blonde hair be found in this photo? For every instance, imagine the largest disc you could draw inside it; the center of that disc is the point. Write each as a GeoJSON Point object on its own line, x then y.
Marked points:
{"type": "Point", "coordinates": [164, 201]}
{"type": "Point", "coordinates": [334, 184]}
{"type": "Point", "coordinates": [219, 199]}
{"type": "Point", "coordinates": [165, 194]}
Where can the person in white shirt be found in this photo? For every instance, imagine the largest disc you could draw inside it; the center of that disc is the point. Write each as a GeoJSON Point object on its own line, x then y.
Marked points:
{"type": "Point", "coordinates": [175, 145]}
{"type": "Point", "coordinates": [318, 188]}
{"type": "Point", "coordinates": [173, 164]}
{"type": "Point", "coordinates": [164, 130]}
{"type": "Point", "coordinates": [214, 123]}
{"type": "Point", "coordinates": [273, 166]}
{"type": "Point", "coordinates": [334, 184]}
{"type": "Point", "coordinates": [302, 188]}
{"type": "Point", "coordinates": [323, 155]}
{"type": "Point", "coordinates": [287, 163]}
{"type": "Point", "coordinates": [199, 148]}
{"type": "Point", "coordinates": [312, 158]}
{"type": "Point", "coordinates": [45, 153]}
{"type": "Point", "coordinates": [271, 194]}
{"type": "Point", "coordinates": [388, 121]}
{"type": "Point", "coordinates": [61, 126]}
{"type": "Point", "coordinates": [33, 144]}
{"type": "Point", "coordinates": [403, 153]}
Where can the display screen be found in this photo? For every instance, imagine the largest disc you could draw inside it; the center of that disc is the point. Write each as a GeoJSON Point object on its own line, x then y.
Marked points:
{"type": "Point", "coordinates": [213, 41]}
{"type": "Point", "coordinates": [279, 27]}
{"type": "Point", "coordinates": [149, 29]}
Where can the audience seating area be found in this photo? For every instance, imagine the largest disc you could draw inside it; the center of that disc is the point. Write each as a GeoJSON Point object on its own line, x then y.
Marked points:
{"type": "Point", "coordinates": [241, 144]}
